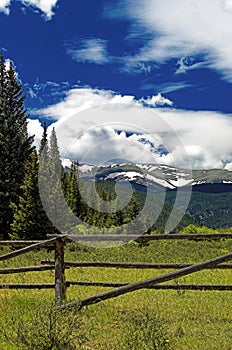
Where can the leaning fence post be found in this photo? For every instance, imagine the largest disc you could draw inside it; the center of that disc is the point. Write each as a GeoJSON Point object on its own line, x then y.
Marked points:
{"type": "Point", "coordinates": [60, 282]}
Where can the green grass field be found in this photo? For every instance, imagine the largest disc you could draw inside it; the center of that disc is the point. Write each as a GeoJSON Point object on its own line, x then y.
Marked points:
{"type": "Point", "coordinates": [144, 319]}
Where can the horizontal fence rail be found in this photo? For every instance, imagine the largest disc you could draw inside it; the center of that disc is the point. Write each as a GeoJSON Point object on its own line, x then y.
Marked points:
{"type": "Point", "coordinates": [209, 287]}
{"type": "Point", "coordinates": [6, 271]}
{"type": "Point", "coordinates": [21, 243]}
{"type": "Point", "coordinates": [27, 249]}
{"type": "Point", "coordinates": [138, 265]}
{"type": "Point", "coordinates": [27, 286]}
{"type": "Point", "coordinates": [155, 237]}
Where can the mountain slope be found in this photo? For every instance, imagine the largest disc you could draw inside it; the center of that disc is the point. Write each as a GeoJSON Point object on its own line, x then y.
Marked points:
{"type": "Point", "coordinates": [211, 209]}
{"type": "Point", "coordinates": [211, 198]}
{"type": "Point", "coordinates": [158, 175]}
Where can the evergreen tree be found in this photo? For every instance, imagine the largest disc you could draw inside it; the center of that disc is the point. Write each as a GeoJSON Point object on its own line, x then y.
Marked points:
{"type": "Point", "coordinates": [136, 225]}
{"type": "Point", "coordinates": [15, 145]}
{"type": "Point", "coordinates": [43, 149]}
{"type": "Point", "coordinates": [50, 183]}
{"type": "Point", "coordinates": [30, 219]}
{"type": "Point", "coordinates": [54, 154]}
{"type": "Point", "coordinates": [87, 213]}
{"type": "Point", "coordinates": [73, 196]}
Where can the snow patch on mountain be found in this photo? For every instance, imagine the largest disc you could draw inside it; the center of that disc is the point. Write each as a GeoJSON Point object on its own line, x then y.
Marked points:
{"type": "Point", "coordinates": [165, 176]}
{"type": "Point", "coordinates": [130, 175]}
{"type": "Point", "coordinates": [86, 168]}
{"type": "Point", "coordinates": [67, 163]}
{"type": "Point", "coordinates": [181, 182]}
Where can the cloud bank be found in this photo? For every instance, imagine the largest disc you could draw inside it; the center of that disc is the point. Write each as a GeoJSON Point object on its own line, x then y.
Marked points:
{"type": "Point", "coordinates": [97, 125]}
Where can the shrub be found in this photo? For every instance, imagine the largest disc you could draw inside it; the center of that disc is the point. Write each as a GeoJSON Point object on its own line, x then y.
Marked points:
{"type": "Point", "coordinates": [145, 331]}
{"type": "Point", "coordinates": [195, 229]}
{"type": "Point", "coordinates": [40, 326]}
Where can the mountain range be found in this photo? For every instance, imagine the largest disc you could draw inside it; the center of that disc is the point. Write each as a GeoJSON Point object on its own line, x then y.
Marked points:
{"type": "Point", "coordinates": [211, 190]}
{"type": "Point", "coordinates": [162, 176]}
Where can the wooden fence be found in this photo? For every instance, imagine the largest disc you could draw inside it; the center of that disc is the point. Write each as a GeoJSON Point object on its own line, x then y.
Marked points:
{"type": "Point", "coordinates": [57, 243]}
{"type": "Point", "coordinates": [59, 265]}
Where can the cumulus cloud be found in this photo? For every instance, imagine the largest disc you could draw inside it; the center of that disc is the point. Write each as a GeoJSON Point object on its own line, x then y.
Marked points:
{"type": "Point", "coordinates": [205, 135]}
{"type": "Point", "coordinates": [93, 124]}
{"type": "Point", "coordinates": [157, 100]}
{"type": "Point", "coordinates": [102, 144]}
{"type": "Point", "coordinates": [91, 51]}
{"type": "Point", "coordinates": [181, 29]}
{"type": "Point", "coordinates": [45, 6]}
{"type": "Point", "coordinates": [79, 99]}
{"type": "Point", "coordinates": [4, 6]}
{"type": "Point", "coordinates": [228, 166]}
{"type": "Point", "coordinates": [35, 129]}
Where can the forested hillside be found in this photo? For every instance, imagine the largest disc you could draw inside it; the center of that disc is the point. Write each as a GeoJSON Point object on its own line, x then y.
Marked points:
{"type": "Point", "coordinates": [209, 209]}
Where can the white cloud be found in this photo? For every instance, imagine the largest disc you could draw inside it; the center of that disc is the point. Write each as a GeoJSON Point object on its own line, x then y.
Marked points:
{"type": "Point", "coordinates": [91, 51]}
{"type": "Point", "coordinates": [79, 99]}
{"type": "Point", "coordinates": [35, 128]}
{"type": "Point", "coordinates": [170, 87]}
{"type": "Point", "coordinates": [184, 64]}
{"type": "Point", "coordinates": [46, 6]}
{"type": "Point", "coordinates": [205, 134]}
{"type": "Point", "coordinates": [180, 28]}
{"type": "Point", "coordinates": [103, 143]}
{"type": "Point", "coordinates": [156, 101]}
{"type": "Point", "coordinates": [228, 4]}
{"type": "Point", "coordinates": [229, 166]}
{"type": "Point", "coordinates": [90, 125]}
{"type": "Point", "coordinates": [144, 68]}
{"type": "Point", "coordinates": [40, 90]}
{"type": "Point", "coordinates": [4, 6]}
{"type": "Point", "coordinates": [7, 63]}
{"type": "Point", "coordinates": [166, 87]}
{"type": "Point", "coordinates": [131, 65]}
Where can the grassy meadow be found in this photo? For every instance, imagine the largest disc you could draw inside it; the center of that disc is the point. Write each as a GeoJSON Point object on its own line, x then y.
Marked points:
{"type": "Point", "coordinates": [144, 319]}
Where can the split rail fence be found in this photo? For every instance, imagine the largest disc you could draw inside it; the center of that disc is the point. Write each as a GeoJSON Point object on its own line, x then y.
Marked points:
{"type": "Point", "coordinates": [59, 265]}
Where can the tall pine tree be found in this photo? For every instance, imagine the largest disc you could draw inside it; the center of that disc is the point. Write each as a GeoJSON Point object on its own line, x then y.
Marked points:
{"type": "Point", "coordinates": [43, 149]}
{"type": "Point", "coordinates": [30, 219]}
{"type": "Point", "coordinates": [73, 196]}
{"type": "Point", "coordinates": [15, 145]}
{"type": "Point", "coordinates": [50, 183]}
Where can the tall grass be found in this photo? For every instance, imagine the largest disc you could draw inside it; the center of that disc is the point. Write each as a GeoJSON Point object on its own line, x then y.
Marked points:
{"type": "Point", "coordinates": [145, 319]}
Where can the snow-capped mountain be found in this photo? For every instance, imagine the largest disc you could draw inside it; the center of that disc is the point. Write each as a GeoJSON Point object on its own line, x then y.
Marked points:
{"type": "Point", "coordinates": [158, 175]}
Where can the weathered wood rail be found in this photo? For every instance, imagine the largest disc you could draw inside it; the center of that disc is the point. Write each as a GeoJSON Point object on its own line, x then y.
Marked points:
{"type": "Point", "coordinates": [59, 265]}
{"type": "Point", "coordinates": [149, 283]}
{"type": "Point", "coordinates": [57, 243]}
{"type": "Point", "coordinates": [144, 238]}
{"type": "Point", "coordinates": [118, 265]}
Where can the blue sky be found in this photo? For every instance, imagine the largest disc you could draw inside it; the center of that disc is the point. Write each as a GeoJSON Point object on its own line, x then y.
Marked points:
{"type": "Point", "coordinates": [171, 57]}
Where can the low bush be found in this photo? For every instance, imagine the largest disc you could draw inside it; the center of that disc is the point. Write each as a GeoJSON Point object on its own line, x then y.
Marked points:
{"type": "Point", "coordinates": [39, 326]}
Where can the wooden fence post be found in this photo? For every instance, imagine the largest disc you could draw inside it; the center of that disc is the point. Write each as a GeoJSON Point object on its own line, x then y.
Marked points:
{"type": "Point", "coordinates": [60, 282]}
